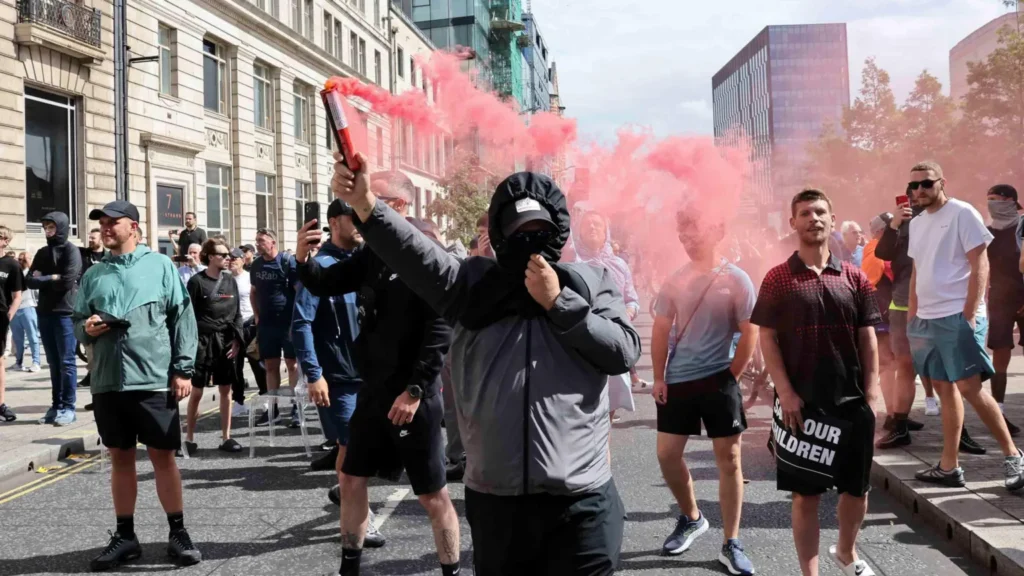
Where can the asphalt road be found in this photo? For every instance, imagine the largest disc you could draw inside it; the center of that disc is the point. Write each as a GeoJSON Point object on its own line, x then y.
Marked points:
{"type": "Point", "coordinates": [270, 515]}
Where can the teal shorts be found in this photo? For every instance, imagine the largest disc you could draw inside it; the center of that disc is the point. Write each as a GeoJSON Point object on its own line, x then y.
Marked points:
{"type": "Point", "coordinates": [948, 349]}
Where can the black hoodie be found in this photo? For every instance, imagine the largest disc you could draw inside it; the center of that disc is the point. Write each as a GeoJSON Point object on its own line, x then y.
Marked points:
{"type": "Point", "coordinates": [58, 257]}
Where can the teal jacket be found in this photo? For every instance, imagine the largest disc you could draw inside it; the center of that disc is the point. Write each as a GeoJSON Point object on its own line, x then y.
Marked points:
{"type": "Point", "coordinates": [143, 288]}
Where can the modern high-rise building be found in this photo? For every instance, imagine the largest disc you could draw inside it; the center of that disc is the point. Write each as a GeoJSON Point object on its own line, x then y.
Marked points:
{"type": "Point", "coordinates": [976, 47]}
{"type": "Point", "coordinates": [536, 71]}
{"type": "Point", "coordinates": [779, 92]}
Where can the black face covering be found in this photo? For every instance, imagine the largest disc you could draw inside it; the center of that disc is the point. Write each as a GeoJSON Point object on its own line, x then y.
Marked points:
{"type": "Point", "coordinates": [518, 248]}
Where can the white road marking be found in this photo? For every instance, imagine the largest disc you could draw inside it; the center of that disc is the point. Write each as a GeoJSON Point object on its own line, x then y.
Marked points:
{"type": "Point", "coordinates": [390, 504]}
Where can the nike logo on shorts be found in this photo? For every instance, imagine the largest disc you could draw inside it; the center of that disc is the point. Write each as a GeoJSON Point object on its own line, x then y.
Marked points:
{"type": "Point", "coordinates": [403, 433]}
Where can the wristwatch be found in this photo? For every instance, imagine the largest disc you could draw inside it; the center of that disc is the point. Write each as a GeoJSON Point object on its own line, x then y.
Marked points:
{"type": "Point", "coordinates": [415, 392]}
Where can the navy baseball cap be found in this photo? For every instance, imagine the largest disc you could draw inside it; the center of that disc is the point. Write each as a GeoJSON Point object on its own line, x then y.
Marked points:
{"type": "Point", "coordinates": [116, 209]}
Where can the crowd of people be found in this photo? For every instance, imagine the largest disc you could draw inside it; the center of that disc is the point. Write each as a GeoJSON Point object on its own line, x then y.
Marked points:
{"type": "Point", "coordinates": [524, 349]}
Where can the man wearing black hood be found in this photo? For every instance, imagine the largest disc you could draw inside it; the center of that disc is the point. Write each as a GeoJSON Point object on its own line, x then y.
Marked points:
{"type": "Point", "coordinates": [55, 271]}
{"type": "Point", "coordinates": [399, 352]}
{"type": "Point", "coordinates": [535, 342]}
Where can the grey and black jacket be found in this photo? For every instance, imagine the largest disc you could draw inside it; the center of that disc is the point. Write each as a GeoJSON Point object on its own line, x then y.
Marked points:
{"type": "Point", "coordinates": [530, 389]}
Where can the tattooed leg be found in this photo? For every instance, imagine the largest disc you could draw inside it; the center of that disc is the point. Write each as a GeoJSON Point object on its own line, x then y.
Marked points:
{"type": "Point", "coordinates": [354, 511]}
{"type": "Point", "coordinates": [445, 524]}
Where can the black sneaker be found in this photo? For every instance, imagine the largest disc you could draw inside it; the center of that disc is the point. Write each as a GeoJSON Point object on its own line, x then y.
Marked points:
{"type": "Point", "coordinates": [1013, 428]}
{"type": "Point", "coordinates": [334, 495]}
{"type": "Point", "coordinates": [455, 472]}
{"type": "Point", "coordinates": [914, 425]}
{"type": "Point", "coordinates": [229, 445]}
{"type": "Point", "coordinates": [181, 549]}
{"type": "Point", "coordinates": [326, 462]}
{"type": "Point", "coordinates": [6, 414]}
{"type": "Point", "coordinates": [952, 478]}
{"type": "Point", "coordinates": [968, 445]}
{"type": "Point", "coordinates": [899, 436]}
{"type": "Point", "coordinates": [118, 551]}
{"type": "Point", "coordinates": [264, 419]}
{"type": "Point", "coordinates": [192, 448]}
{"type": "Point", "coordinates": [328, 445]}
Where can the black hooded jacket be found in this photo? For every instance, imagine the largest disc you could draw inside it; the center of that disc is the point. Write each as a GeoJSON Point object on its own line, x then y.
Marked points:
{"type": "Point", "coordinates": [402, 341]}
{"type": "Point", "coordinates": [58, 257]}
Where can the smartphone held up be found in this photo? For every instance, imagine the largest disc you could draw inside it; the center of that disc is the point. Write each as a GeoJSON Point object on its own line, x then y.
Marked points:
{"type": "Point", "coordinates": [311, 212]}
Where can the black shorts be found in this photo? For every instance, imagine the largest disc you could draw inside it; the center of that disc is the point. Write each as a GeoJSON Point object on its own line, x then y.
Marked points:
{"type": "Point", "coordinates": [544, 534]}
{"type": "Point", "coordinates": [855, 476]}
{"type": "Point", "coordinates": [1002, 315]}
{"type": "Point", "coordinates": [376, 447]}
{"type": "Point", "coordinates": [716, 400]}
{"type": "Point", "coordinates": [222, 373]}
{"type": "Point", "coordinates": [127, 418]}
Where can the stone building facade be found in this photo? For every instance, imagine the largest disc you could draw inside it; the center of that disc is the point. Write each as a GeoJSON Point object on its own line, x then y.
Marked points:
{"type": "Point", "coordinates": [226, 123]}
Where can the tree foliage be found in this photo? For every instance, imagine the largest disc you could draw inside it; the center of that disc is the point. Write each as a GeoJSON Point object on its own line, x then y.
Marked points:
{"type": "Point", "coordinates": [979, 142]}
{"type": "Point", "coordinates": [466, 196]}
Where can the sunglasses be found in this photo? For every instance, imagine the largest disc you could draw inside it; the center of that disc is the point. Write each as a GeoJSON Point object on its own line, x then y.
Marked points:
{"type": "Point", "coordinates": [927, 184]}
{"type": "Point", "coordinates": [221, 254]}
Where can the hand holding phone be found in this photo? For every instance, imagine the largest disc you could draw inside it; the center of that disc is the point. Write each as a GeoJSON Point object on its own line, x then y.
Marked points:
{"type": "Point", "coordinates": [116, 324]}
{"type": "Point", "coordinates": [902, 199]}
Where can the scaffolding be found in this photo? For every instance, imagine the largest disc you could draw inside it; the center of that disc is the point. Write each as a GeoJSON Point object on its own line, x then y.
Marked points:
{"type": "Point", "coordinates": [506, 57]}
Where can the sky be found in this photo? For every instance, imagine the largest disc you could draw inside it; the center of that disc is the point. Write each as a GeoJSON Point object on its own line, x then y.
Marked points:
{"type": "Point", "coordinates": [649, 63]}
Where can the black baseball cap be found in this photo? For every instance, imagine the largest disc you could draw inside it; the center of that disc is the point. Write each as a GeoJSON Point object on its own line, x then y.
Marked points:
{"type": "Point", "coordinates": [248, 248]}
{"type": "Point", "coordinates": [116, 209]}
{"type": "Point", "coordinates": [520, 212]}
{"type": "Point", "coordinates": [236, 253]}
{"type": "Point", "coordinates": [336, 208]}
{"type": "Point", "coordinates": [1006, 191]}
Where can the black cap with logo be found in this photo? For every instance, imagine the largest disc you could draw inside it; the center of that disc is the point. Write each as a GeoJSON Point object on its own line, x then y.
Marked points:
{"type": "Point", "coordinates": [116, 209]}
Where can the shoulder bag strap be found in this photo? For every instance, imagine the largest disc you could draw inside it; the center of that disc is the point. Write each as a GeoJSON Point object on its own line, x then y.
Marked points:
{"type": "Point", "coordinates": [699, 301]}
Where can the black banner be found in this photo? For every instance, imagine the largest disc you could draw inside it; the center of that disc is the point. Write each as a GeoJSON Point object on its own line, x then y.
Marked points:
{"type": "Point", "coordinates": [814, 453]}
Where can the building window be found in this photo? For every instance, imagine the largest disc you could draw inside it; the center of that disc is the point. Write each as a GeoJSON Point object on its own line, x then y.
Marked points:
{"type": "Point", "coordinates": [51, 142]}
{"type": "Point", "coordinates": [165, 40]}
{"type": "Point", "coordinates": [339, 53]}
{"type": "Point", "coordinates": [264, 201]}
{"type": "Point", "coordinates": [268, 6]}
{"type": "Point", "coordinates": [412, 72]}
{"type": "Point", "coordinates": [215, 78]}
{"type": "Point", "coordinates": [400, 60]}
{"type": "Point", "coordinates": [302, 17]}
{"type": "Point", "coordinates": [376, 68]}
{"type": "Point", "coordinates": [309, 19]}
{"type": "Point", "coordinates": [218, 200]}
{"type": "Point", "coordinates": [362, 57]}
{"type": "Point", "coordinates": [328, 33]}
{"type": "Point", "coordinates": [380, 146]}
{"type": "Point", "coordinates": [301, 112]}
{"type": "Point", "coordinates": [353, 50]}
{"type": "Point", "coordinates": [262, 90]}
{"type": "Point", "coordinates": [303, 194]}
{"type": "Point", "coordinates": [362, 7]}
{"type": "Point", "coordinates": [376, 14]}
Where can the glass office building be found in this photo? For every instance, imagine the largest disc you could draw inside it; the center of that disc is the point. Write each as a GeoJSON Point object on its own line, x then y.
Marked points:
{"type": "Point", "coordinates": [451, 23]}
{"type": "Point", "coordinates": [536, 74]}
{"type": "Point", "coordinates": [780, 91]}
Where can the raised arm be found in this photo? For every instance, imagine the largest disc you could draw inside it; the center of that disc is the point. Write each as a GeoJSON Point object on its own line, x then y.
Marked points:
{"type": "Point", "coordinates": [339, 278]}
{"type": "Point", "coordinates": [600, 332]}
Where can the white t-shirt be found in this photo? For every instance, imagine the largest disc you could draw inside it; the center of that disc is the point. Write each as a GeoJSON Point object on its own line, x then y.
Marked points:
{"type": "Point", "coordinates": [939, 244]}
{"type": "Point", "coordinates": [243, 295]}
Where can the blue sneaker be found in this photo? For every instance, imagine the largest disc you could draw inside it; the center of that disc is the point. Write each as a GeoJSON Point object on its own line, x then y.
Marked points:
{"type": "Point", "coordinates": [65, 417]}
{"type": "Point", "coordinates": [50, 416]}
{"type": "Point", "coordinates": [734, 560]}
{"type": "Point", "coordinates": [684, 535]}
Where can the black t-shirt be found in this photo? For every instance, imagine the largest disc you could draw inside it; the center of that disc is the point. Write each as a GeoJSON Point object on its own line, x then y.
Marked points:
{"type": "Point", "coordinates": [12, 280]}
{"type": "Point", "coordinates": [215, 301]}
{"type": "Point", "coordinates": [1005, 280]}
{"type": "Point", "coordinates": [188, 237]}
{"type": "Point", "coordinates": [816, 318]}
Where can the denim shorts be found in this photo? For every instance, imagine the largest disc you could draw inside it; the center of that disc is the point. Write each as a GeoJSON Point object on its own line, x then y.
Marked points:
{"type": "Point", "coordinates": [335, 418]}
{"type": "Point", "coordinates": [948, 349]}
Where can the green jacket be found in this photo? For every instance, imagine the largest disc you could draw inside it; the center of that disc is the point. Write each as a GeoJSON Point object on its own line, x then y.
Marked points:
{"type": "Point", "coordinates": [143, 288]}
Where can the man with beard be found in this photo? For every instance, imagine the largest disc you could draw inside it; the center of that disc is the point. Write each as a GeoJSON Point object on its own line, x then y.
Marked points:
{"type": "Point", "coordinates": [136, 315]}
{"type": "Point", "coordinates": [948, 323]}
{"type": "Point", "coordinates": [1006, 287]}
{"type": "Point", "coordinates": [216, 306]}
{"type": "Point", "coordinates": [397, 418]}
{"type": "Point", "coordinates": [192, 234]}
{"type": "Point", "coordinates": [55, 271]}
{"type": "Point", "coordinates": [325, 331]}
{"type": "Point", "coordinates": [817, 315]}
{"type": "Point", "coordinates": [248, 253]}
{"type": "Point", "coordinates": [94, 252]}
{"type": "Point", "coordinates": [535, 343]}
{"type": "Point", "coordinates": [710, 301]}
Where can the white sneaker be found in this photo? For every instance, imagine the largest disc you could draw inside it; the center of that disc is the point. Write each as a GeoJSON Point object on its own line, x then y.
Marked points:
{"type": "Point", "coordinates": [858, 568]}
{"type": "Point", "coordinates": [240, 411]}
{"type": "Point", "coordinates": [931, 406]}
{"type": "Point", "coordinates": [33, 368]}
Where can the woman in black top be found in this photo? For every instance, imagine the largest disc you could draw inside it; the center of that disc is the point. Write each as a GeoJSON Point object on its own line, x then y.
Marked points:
{"type": "Point", "coordinates": [214, 297]}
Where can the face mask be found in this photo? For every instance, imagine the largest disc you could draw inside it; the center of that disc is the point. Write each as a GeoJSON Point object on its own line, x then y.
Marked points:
{"type": "Point", "coordinates": [520, 246]}
{"type": "Point", "coordinates": [1004, 213]}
